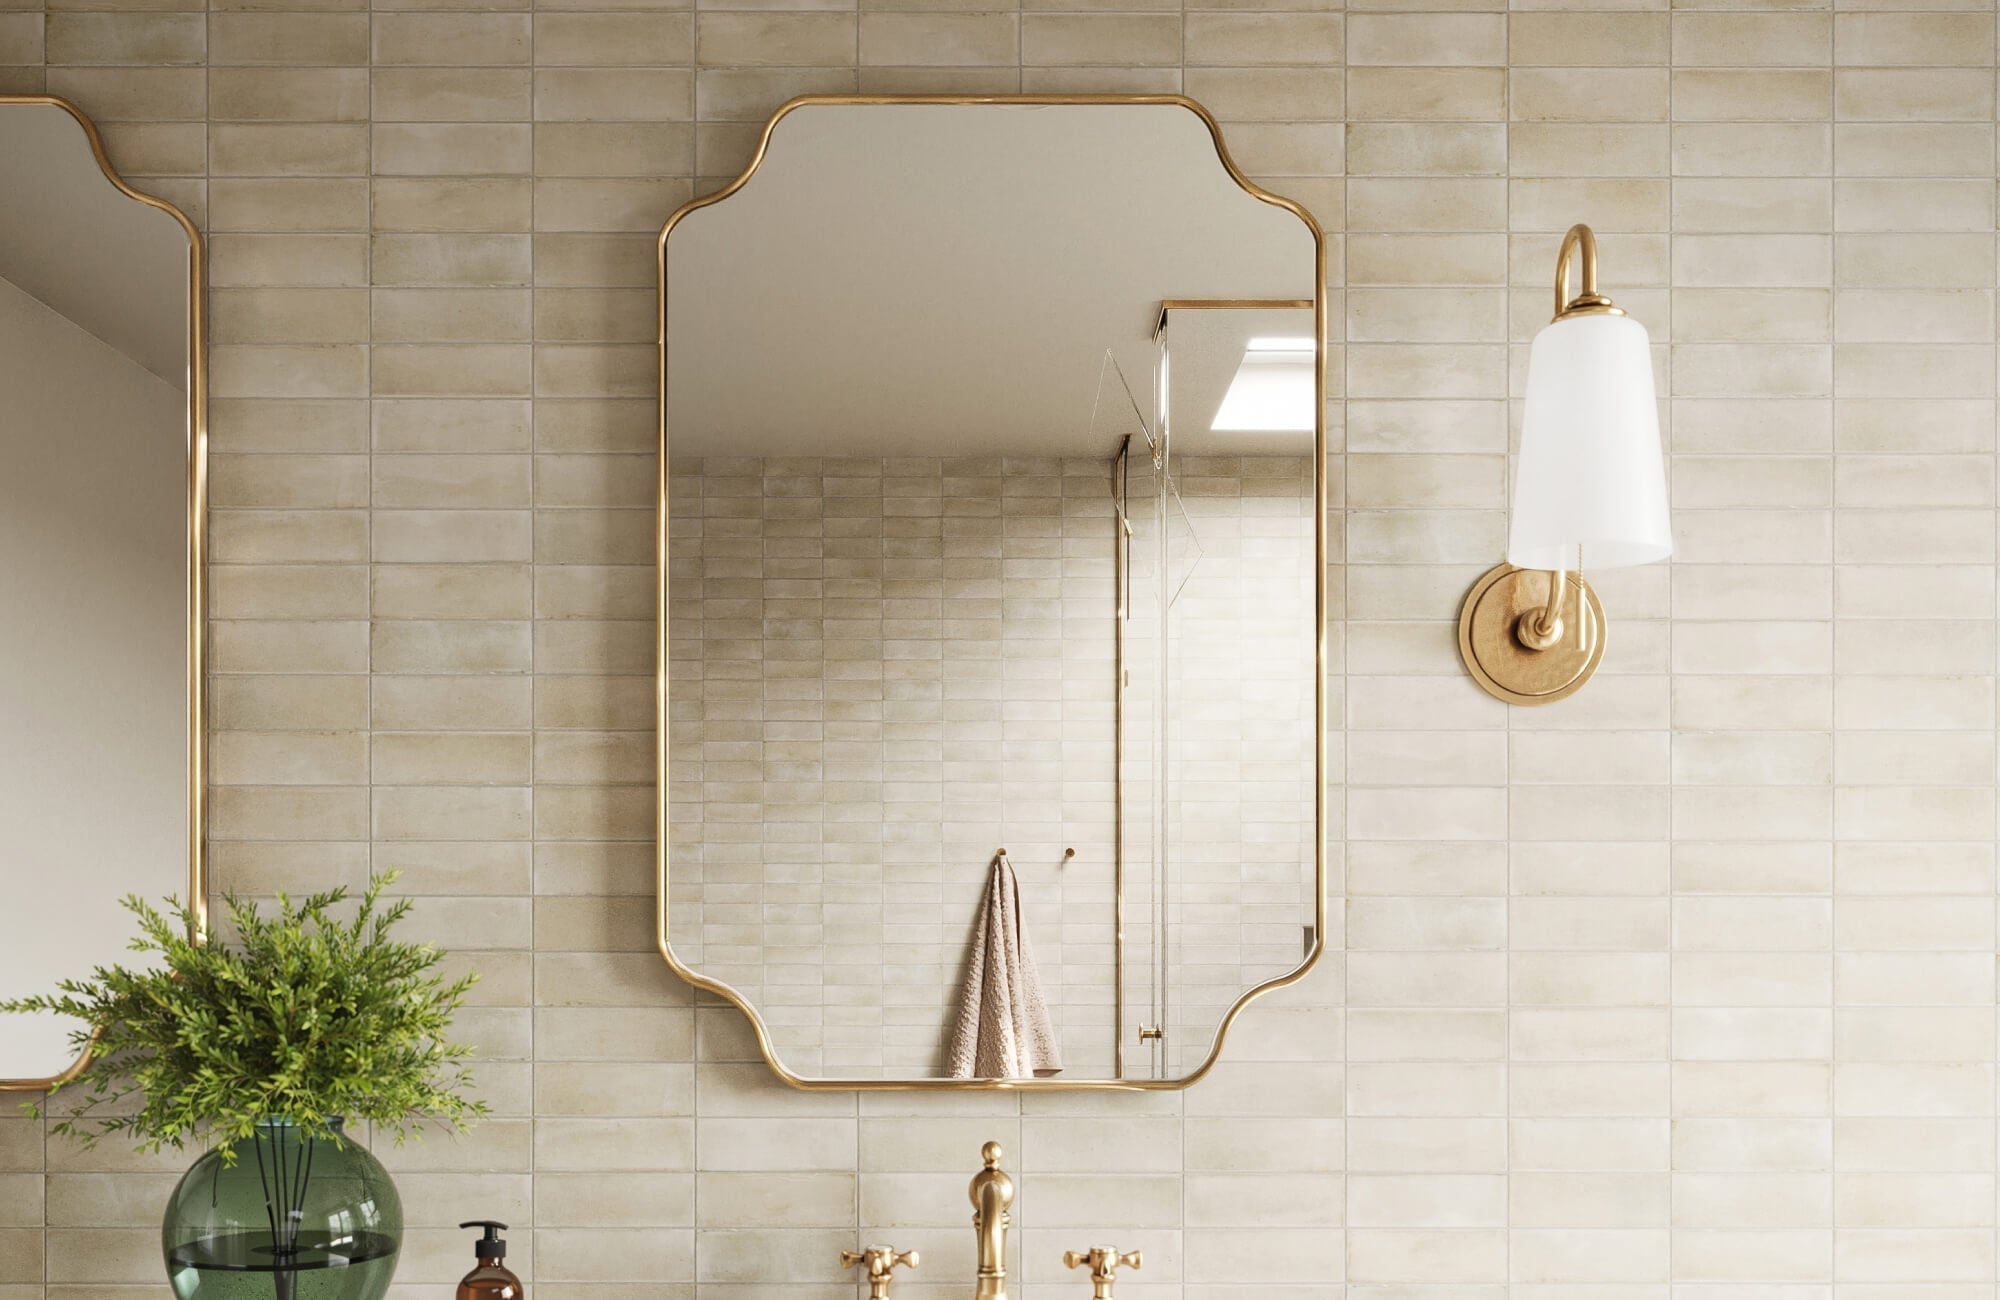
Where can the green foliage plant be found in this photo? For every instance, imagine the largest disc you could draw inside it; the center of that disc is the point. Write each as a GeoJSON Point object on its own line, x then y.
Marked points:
{"type": "Point", "coordinates": [303, 1017]}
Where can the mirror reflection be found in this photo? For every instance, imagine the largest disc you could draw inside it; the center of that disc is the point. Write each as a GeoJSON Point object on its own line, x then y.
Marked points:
{"type": "Point", "coordinates": [96, 368]}
{"type": "Point", "coordinates": [991, 583]}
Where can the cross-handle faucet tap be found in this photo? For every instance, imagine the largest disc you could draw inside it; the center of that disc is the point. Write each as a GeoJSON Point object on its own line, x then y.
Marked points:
{"type": "Point", "coordinates": [1104, 1262]}
{"type": "Point", "coordinates": [992, 1191]}
{"type": "Point", "coordinates": [879, 1261]}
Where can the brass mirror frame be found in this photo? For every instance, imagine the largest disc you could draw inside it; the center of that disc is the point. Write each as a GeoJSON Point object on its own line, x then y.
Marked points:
{"type": "Point", "coordinates": [197, 545]}
{"type": "Point", "coordinates": [1320, 503]}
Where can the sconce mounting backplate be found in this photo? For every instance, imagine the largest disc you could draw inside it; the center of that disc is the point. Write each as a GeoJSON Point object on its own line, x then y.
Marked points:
{"type": "Point", "coordinates": [1488, 638]}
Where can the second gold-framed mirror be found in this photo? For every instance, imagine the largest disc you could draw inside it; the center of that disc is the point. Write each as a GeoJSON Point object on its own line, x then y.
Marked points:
{"type": "Point", "coordinates": [992, 583]}
{"type": "Point", "coordinates": [102, 525]}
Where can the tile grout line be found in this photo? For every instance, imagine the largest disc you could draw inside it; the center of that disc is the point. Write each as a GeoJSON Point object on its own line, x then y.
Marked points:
{"type": "Point", "coordinates": [1508, 467]}
{"type": "Point", "coordinates": [1346, 655]}
{"type": "Point", "coordinates": [533, 610]}
{"type": "Point", "coordinates": [1833, 664]}
{"type": "Point", "coordinates": [1673, 812]}
{"type": "Point", "coordinates": [663, 697]}
{"type": "Point", "coordinates": [663, 722]}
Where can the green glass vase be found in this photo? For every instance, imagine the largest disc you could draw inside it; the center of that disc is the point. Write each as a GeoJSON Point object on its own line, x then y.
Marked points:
{"type": "Point", "coordinates": [294, 1218]}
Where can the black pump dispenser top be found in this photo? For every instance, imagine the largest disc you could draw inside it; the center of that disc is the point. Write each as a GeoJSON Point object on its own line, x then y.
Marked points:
{"type": "Point", "coordinates": [489, 1246]}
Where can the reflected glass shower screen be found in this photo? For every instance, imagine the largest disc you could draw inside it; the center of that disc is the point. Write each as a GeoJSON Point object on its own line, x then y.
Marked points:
{"type": "Point", "coordinates": [1220, 643]}
{"type": "Point", "coordinates": [1159, 552]}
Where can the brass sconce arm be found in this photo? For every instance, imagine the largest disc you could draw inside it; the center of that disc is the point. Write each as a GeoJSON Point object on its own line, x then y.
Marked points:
{"type": "Point", "coordinates": [1580, 244]}
{"type": "Point", "coordinates": [1542, 628]}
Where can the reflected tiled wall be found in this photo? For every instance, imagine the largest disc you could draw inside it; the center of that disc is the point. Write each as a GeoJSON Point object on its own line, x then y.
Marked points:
{"type": "Point", "coordinates": [885, 669]}
{"type": "Point", "coordinates": [883, 672]}
{"type": "Point", "coordinates": [1688, 980]}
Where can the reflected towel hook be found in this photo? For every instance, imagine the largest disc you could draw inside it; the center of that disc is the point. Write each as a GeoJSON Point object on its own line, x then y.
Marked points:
{"type": "Point", "coordinates": [1067, 854]}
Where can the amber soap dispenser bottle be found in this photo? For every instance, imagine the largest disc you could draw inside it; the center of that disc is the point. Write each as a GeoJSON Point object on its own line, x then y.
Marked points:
{"type": "Point", "coordinates": [489, 1279]}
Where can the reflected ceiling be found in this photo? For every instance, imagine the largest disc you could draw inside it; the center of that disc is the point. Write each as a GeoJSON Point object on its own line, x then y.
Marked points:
{"type": "Point", "coordinates": [71, 240]}
{"type": "Point", "coordinates": [850, 294]}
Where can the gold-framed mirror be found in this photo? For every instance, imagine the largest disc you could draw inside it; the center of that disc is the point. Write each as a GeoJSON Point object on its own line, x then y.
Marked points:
{"type": "Point", "coordinates": [102, 505]}
{"type": "Point", "coordinates": [992, 592]}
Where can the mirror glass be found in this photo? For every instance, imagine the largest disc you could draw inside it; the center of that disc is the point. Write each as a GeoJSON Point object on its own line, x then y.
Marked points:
{"type": "Point", "coordinates": [96, 357]}
{"type": "Point", "coordinates": [990, 584]}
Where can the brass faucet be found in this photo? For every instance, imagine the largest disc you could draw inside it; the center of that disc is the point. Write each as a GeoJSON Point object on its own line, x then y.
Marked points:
{"type": "Point", "coordinates": [1104, 1263]}
{"type": "Point", "coordinates": [879, 1261]}
{"type": "Point", "coordinates": [992, 1191]}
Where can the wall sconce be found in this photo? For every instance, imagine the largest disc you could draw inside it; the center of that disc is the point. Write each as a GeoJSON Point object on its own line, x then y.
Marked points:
{"type": "Point", "coordinates": [1591, 487]}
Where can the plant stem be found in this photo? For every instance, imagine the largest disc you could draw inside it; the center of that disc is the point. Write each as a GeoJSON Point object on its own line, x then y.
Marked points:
{"type": "Point", "coordinates": [256, 1144]}
{"type": "Point", "coordinates": [284, 1278]}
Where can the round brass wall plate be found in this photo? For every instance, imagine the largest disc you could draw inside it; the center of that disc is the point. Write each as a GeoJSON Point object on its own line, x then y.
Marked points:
{"type": "Point", "coordinates": [1508, 670]}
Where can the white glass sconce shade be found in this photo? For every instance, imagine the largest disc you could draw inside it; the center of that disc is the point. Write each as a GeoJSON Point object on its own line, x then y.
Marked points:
{"type": "Point", "coordinates": [1590, 491]}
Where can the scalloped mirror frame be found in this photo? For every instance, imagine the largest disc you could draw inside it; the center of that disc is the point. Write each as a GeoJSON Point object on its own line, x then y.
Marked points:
{"type": "Point", "coordinates": [1320, 491]}
{"type": "Point", "coordinates": [197, 542]}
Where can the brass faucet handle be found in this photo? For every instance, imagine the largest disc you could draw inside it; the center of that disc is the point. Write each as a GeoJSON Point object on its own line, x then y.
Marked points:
{"type": "Point", "coordinates": [1104, 1261]}
{"type": "Point", "coordinates": [880, 1261]}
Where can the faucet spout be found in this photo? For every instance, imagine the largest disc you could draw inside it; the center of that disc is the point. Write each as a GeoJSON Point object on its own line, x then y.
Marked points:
{"type": "Point", "coordinates": [992, 1191]}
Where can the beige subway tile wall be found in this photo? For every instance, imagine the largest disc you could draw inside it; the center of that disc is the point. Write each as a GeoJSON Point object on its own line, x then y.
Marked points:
{"type": "Point", "coordinates": [1686, 982]}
